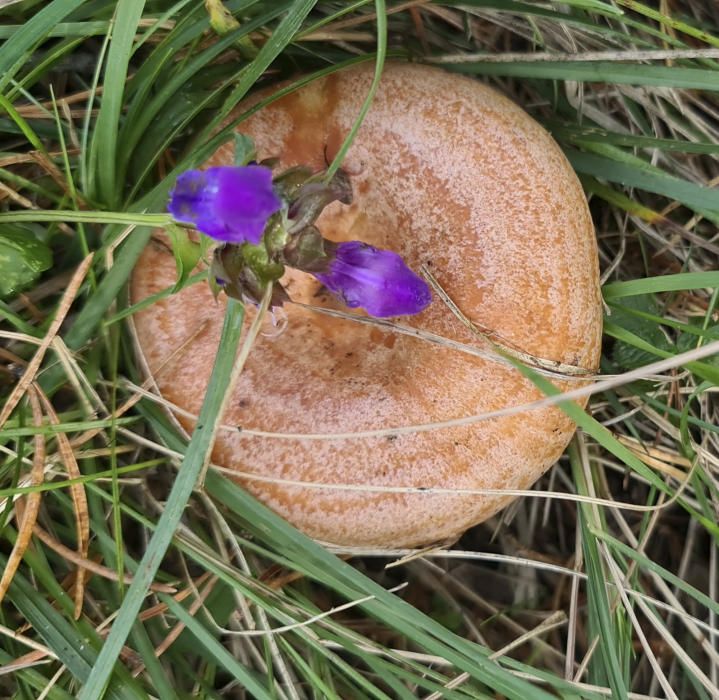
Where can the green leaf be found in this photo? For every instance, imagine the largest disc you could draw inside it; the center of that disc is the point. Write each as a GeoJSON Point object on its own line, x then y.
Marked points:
{"type": "Point", "coordinates": [700, 368]}
{"type": "Point", "coordinates": [22, 258]}
{"type": "Point", "coordinates": [689, 341]}
{"type": "Point", "coordinates": [629, 356]}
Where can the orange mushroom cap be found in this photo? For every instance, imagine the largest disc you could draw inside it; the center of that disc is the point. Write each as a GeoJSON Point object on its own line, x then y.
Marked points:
{"type": "Point", "coordinates": [451, 175]}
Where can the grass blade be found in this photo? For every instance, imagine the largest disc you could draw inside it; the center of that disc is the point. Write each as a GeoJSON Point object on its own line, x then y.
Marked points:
{"type": "Point", "coordinates": [602, 621]}
{"type": "Point", "coordinates": [73, 647]}
{"type": "Point", "coordinates": [697, 197]}
{"type": "Point", "coordinates": [379, 65]}
{"type": "Point", "coordinates": [599, 72]}
{"type": "Point", "coordinates": [221, 655]}
{"type": "Point", "coordinates": [319, 564]}
{"type": "Point", "coordinates": [665, 283]}
{"type": "Point", "coordinates": [103, 150]}
{"type": "Point", "coordinates": [35, 30]}
{"type": "Point", "coordinates": [197, 454]}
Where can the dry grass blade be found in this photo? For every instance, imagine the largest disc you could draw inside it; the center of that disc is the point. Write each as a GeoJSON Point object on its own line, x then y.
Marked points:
{"type": "Point", "coordinates": [657, 459]}
{"type": "Point", "coordinates": [6, 191]}
{"type": "Point", "coordinates": [91, 566]}
{"type": "Point", "coordinates": [26, 520]}
{"type": "Point", "coordinates": [501, 345]}
{"type": "Point", "coordinates": [411, 488]}
{"type": "Point", "coordinates": [161, 609]}
{"type": "Point", "coordinates": [179, 596]}
{"type": "Point", "coordinates": [677, 649]}
{"type": "Point", "coordinates": [177, 630]}
{"type": "Point", "coordinates": [651, 657]}
{"type": "Point", "coordinates": [79, 499]}
{"type": "Point", "coordinates": [611, 382]}
{"type": "Point", "coordinates": [490, 353]}
{"type": "Point", "coordinates": [539, 56]}
{"type": "Point", "coordinates": [28, 157]}
{"type": "Point", "coordinates": [32, 658]}
{"type": "Point", "coordinates": [557, 619]}
{"type": "Point", "coordinates": [34, 365]}
{"type": "Point", "coordinates": [662, 455]}
{"type": "Point", "coordinates": [56, 174]}
{"type": "Point", "coordinates": [39, 648]}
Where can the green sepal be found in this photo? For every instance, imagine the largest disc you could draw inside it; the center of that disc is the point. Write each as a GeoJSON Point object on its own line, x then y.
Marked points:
{"type": "Point", "coordinates": [244, 149]}
{"type": "Point", "coordinates": [215, 287]}
{"type": "Point", "coordinates": [313, 197]}
{"type": "Point", "coordinates": [289, 183]}
{"type": "Point", "coordinates": [307, 251]}
{"type": "Point", "coordinates": [186, 251]}
{"type": "Point", "coordinates": [246, 271]}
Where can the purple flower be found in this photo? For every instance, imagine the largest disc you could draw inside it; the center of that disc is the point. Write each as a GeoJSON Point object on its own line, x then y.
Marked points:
{"type": "Point", "coordinates": [229, 204]}
{"type": "Point", "coordinates": [377, 280]}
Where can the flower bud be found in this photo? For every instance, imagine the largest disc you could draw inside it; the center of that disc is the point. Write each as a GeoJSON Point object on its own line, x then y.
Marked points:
{"type": "Point", "coordinates": [376, 280]}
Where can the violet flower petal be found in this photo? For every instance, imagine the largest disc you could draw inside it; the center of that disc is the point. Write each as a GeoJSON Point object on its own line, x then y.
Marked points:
{"type": "Point", "coordinates": [377, 280]}
{"type": "Point", "coordinates": [230, 204]}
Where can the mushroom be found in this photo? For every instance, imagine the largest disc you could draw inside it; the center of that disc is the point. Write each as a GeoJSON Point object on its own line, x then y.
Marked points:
{"type": "Point", "coordinates": [453, 176]}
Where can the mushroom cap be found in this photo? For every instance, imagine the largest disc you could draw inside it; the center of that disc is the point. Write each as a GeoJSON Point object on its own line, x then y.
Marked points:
{"type": "Point", "coordinates": [450, 174]}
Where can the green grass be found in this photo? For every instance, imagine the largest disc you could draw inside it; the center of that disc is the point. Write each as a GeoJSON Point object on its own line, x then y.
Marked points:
{"type": "Point", "coordinates": [102, 104]}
